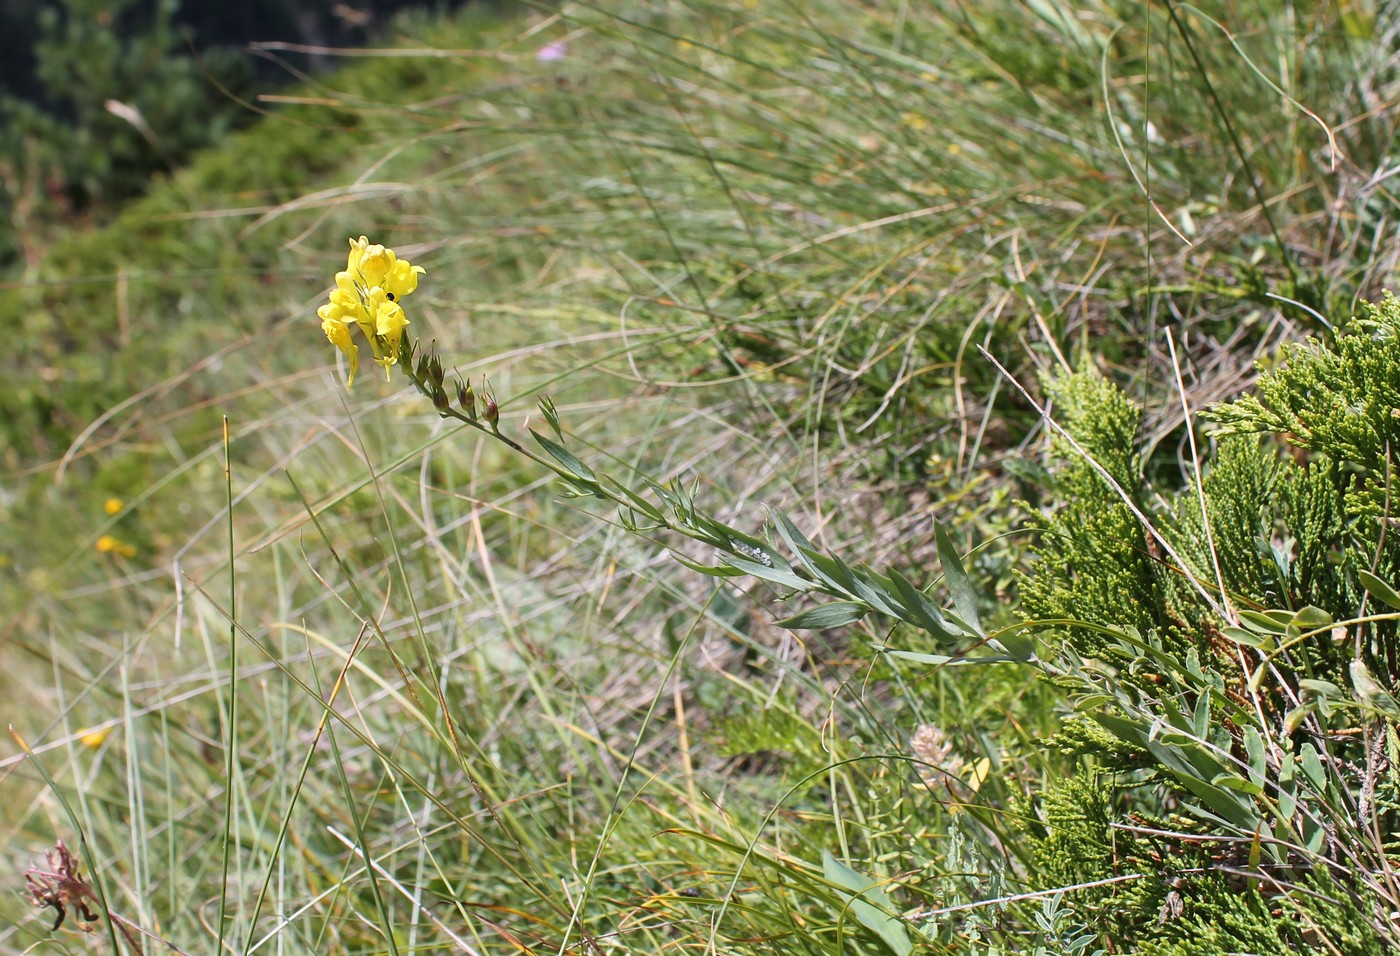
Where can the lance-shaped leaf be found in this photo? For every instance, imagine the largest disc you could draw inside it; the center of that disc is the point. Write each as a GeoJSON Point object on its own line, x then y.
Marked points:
{"type": "Point", "coordinates": [1379, 589]}
{"type": "Point", "coordinates": [870, 905]}
{"type": "Point", "coordinates": [955, 577]}
{"type": "Point", "coordinates": [568, 459]}
{"type": "Point", "coordinates": [922, 612]}
{"type": "Point", "coordinates": [779, 575]}
{"type": "Point", "coordinates": [835, 614]}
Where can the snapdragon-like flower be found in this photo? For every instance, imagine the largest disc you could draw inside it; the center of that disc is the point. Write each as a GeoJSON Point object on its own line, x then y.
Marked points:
{"type": "Point", "coordinates": [368, 295]}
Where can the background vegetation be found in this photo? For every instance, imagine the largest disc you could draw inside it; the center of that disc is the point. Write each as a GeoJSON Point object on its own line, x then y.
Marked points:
{"type": "Point", "coordinates": [351, 679]}
{"type": "Point", "coordinates": [99, 98]}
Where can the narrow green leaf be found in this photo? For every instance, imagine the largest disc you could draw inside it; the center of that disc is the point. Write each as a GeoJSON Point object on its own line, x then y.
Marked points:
{"type": "Point", "coordinates": [551, 415]}
{"type": "Point", "coordinates": [1315, 837]}
{"type": "Point", "coordinates": [955, 577]}
{"type": "Point", "coordinates": [1200, 811]}
{"type": "Point", "coordinates": [1249, 638]}
{"type": "Point", "coordinates": [1256, 678]}
{"type": "Point", "coordinates": [1254, 750]}
{"type": "Point", "coordinates": [565, 457]}
{"type": "Point", "coordinates": [1295, 717]}
{"type": "Point", "coordinates": [1379, 589]}
{"type": "Point", "coordinates": [639, 503]}
{"type": "Point", "coordinates": [1019, 645]}
{"type": "Point", "coordinates": [1176, 739]}
{"type": "Point", "coordinates": [1200, 720]}
{"type": "Point", "coordinates": [835, 614]}
{"type": "Point", "coordinates": [1257, 845]}
{"type": "Point", "coordinates": [1371, 693]}
{"type": "Point", "coordinates": [1234, 808]}
{"type": "Point", "coordinates": [1312, 768]}
{"type": "Point", "coordinates": [923, 613]}
{"type": "Point", "coordinates": [707, 569]}
{"type": "Point", "coordinates": [1312, 618]}
{"type": "Point", "coordinates": [829, 571]}
{"type": "Point", "coordinates": [1129, 731]}
{"type": "Point", "coordinates": [1269, 622]}
{"type": "Point", "coordinates": [949, 660]}
{"type": "Point", "coordinates": [1230, 781]}
{"type": "Point", "coordinates": [775, 575]}
{"type": "Point", "coordinates": [795, 539]}
{"type": "Point", "coordinates": [870, 905]}
{"type": "Point", "coordinates": [1322, 688]}
{"type": "Point", "coordinates": [1187, 756]}
{"type": "Point", "coordinates": [878, 592]}
{"type": "Point", "coordinates": [832, 571]}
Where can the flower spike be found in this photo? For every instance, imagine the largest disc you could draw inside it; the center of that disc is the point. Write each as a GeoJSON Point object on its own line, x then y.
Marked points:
{"type": "Point", "coordinates": [369, 295]}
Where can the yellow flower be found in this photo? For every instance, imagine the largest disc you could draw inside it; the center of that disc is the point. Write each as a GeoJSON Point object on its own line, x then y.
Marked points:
{"type": "Point", "coordinates": [369, 263]}
{"type": "Point", "coordinates": [368, 294]}
{"type": "Point", "coordinates": [339, 334]}
{"type": "Point", "coordinates": [388, 326]}
{"type": "Point", "coordinates": [112, 505]}
{"type": "Point", "coordinates": [107, 544]}
{"type": "Point", "coordinates": [95, 738]}
{"type": "Point", "coordinates": [402, 278]}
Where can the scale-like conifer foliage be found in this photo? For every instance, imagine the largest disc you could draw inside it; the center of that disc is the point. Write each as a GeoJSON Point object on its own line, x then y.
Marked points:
{"type": "Point", "coordinates": [1241, 661]}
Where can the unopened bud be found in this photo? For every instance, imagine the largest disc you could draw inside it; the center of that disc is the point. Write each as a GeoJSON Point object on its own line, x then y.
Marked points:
{"type": "Point", "coordinates": [467, 399]}
{"type": "Point", "coordinates": [492, 413]}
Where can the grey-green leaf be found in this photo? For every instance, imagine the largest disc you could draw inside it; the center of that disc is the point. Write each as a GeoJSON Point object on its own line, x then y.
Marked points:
{"type": "Point", "coordinates": [870, 904]}
{"type": "Point", "coordinates": [1312, 768]}
{"type": "Point", "coordinates": [565, 457]}
{"type": "Point", "coordinates": [835, 614]}
{"type": "Point", "coordinates": [959, 588]}
{"type": "Point", "coordinates": [776, 575]}
{"type": "Point", "coordinates": [1378, 589]}
{"type": "Point", "coordinates": [714, 571]}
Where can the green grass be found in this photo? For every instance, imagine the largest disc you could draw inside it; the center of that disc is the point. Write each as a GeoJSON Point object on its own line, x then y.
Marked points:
{"type": "Point", "coordinates": [754, 246]}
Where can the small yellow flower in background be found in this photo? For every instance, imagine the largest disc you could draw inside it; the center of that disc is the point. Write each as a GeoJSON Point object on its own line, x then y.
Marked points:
{"type": "Point", "coordinates": [112, 505]}
{"type": "Point", "coordinates": [108, 544]}
{"type": "Point", "coordinates": [367, 294]}
{"type": "Point", "coordinates": [95, 738]}
{"type": "Point", "coordinates": [916, 121]}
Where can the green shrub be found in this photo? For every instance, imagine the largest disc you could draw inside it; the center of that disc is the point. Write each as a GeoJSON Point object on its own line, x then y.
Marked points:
{"type": "Point", "coordinates": [121, 103]}
{"type": "Point", "coordinates": [1242, 661]}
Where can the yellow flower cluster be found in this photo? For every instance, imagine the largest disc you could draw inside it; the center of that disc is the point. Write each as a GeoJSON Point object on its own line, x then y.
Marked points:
{"type": "Point", "coordinates": [367, 294]}
{"type": "Point", "coordinates": [109, 544]}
